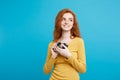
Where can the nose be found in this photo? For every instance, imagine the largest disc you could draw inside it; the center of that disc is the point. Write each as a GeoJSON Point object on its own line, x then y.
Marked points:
{"type": "Point", "coordinates": [66, 22]}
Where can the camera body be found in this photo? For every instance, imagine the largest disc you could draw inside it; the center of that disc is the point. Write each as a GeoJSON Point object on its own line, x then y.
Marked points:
{"type": "Point", "coordinates": [59, 45]}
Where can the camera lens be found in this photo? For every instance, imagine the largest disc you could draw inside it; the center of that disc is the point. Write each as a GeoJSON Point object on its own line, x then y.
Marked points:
{"type": "Point", "coordinates": [65, 44]}
{"type": "Point", "coordinates": [58, 44]}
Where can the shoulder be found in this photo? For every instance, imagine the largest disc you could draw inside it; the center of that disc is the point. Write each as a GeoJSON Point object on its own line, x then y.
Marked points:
{"type": "Point", "coordinates": [79, 40]}
{"type": "Point", "coordinates": [50, 44]}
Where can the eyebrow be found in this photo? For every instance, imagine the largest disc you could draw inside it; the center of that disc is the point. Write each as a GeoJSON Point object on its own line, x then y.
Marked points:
{"type": "Point", "coordinates": [69, 18]}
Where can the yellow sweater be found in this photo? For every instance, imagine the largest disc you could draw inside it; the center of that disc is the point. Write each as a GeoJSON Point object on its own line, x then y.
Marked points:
{"type": "Point", "coordinates": [67, 69]}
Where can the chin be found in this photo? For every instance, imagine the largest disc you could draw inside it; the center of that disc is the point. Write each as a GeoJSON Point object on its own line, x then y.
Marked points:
{"type": "Point", "coordinates": [66, 29]}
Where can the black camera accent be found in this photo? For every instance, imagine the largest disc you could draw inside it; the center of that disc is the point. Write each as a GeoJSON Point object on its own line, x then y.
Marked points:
{"type": "Point", "coordinates": [59, 45]}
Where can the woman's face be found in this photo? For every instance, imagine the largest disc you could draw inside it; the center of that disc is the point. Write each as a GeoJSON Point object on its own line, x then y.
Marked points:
{"type": "Point", "coordinates": [67, 22]}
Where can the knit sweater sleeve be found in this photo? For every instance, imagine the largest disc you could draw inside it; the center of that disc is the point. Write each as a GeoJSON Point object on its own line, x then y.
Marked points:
{"type": "Point", "coordinates": [49, 61]}
{"type": "Point", "coordinates": [79, 63]}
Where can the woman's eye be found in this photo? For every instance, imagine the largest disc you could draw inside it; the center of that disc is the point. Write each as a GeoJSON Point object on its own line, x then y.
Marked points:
{"type": "Point", "coordinates": [71, 20]}
{"type": "Point", "coordinates": [63, 19]}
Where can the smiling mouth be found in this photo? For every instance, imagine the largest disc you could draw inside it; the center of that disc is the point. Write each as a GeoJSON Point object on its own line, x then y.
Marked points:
{"type": "Point", "coordinates": [66, 25]}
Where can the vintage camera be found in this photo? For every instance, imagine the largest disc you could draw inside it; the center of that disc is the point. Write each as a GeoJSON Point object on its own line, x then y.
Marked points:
{"type": "Point", "coordinates": [59, 45]}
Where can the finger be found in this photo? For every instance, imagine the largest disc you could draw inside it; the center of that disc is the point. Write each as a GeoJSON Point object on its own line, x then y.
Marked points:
{"type": "Point", "coordinates": [52, 51]}
{"type": "Point", "coordinates": [53, 45]}
{"type": "Point", "coordinates": [58, 49]}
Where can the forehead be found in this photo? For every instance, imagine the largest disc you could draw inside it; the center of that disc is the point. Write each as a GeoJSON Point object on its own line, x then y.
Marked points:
{"type": "Point", "coordinates": [67, 15]}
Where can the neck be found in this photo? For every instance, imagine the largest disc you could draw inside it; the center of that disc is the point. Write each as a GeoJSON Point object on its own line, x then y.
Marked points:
{"type": "Point", "coordinates": [65, 35]}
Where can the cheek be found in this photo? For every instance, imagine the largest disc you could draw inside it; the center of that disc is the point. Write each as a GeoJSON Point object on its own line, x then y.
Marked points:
{"type": "Point", "coordinates": [62, 22]}
{"type": "Point", "coordinates": [71, 23]}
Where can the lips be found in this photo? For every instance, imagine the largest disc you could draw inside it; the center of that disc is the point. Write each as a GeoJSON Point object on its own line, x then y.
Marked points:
{"type": "Point", "coordinates": [66, 26]}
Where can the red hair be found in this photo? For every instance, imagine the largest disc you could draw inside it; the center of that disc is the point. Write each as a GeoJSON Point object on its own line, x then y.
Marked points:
{"type": "Point", "coordinates": [58, 30]}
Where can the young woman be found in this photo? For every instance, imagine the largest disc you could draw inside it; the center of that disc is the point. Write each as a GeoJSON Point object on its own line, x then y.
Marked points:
{"type": "Point", "coordinates": [66, 52]}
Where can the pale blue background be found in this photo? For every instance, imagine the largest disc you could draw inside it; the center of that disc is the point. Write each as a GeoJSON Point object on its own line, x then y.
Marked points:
{"type": "Point", "coordinates": [26, 28]}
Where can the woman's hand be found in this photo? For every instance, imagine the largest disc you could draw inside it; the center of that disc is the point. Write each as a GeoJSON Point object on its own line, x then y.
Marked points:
{"type": "Point", "coordinates": [53, 50]}
{"type": "Point", "coordinates": [64, 52]}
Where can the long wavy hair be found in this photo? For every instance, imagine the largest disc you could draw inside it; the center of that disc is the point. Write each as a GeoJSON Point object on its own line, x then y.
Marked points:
{"type": "Point", "coordinates": [57, 28]}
